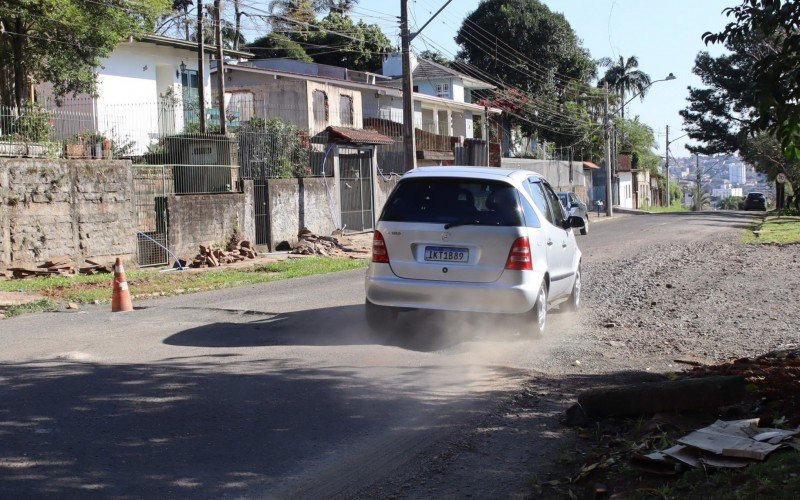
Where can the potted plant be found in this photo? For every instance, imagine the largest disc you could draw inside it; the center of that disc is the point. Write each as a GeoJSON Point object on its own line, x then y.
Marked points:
{"type": "Point", "coordinates": [107, 148]}
{"type": "Point", "coordinates": [75, 147]}
{"type": "Point", "coordinates": [94, 143]}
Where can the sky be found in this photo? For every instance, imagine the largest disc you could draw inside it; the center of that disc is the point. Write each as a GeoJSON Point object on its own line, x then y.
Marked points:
{"type": "Point", "coordinates": [665, 35]}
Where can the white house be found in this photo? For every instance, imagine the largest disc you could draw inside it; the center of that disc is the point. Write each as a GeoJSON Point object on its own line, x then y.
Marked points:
{"type": "Point", "coordinates": [146, 88]}
{"type": "Point", "coordinates": [443, 97]}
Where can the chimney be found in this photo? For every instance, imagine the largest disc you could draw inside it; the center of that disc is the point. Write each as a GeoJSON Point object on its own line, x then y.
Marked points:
{"type": "Point", "coordinates": [393, 64]}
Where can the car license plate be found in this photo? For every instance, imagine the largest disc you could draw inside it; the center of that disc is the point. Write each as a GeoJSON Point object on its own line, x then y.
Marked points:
{"type": "Point", "coordinates": [446, 254]}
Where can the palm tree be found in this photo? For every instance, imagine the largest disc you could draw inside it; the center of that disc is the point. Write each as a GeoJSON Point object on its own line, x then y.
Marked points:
{"type": "Point", "coordinates": [339, 6]}
{"type": "Point", "coordinates": [623, 77]}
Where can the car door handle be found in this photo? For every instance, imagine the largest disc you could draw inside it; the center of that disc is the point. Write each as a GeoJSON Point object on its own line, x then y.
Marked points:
{"type": "Point", "coordinates": [563, 244]}
{"type": "Point", "coordinates": [549, 242]}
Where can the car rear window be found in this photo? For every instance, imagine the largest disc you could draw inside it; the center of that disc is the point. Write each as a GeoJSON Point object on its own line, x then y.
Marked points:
{"type": "Point", "coordinates": [445, 200]}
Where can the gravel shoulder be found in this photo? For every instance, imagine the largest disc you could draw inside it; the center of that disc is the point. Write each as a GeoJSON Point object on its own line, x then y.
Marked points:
{"type": "Point", "coordinates": [705, 299]}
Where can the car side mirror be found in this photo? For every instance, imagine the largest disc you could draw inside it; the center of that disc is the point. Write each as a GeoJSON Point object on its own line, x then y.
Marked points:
{"type": "Point", "coordinates": [575, 205]}
{"type": "Point", "coordinates": [573, 221]}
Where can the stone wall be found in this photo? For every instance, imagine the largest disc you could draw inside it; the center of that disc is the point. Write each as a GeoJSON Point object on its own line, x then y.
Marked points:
{"type": "Point", "coordinates": [200, 219]}
{"type": "Point", "coordinates": [297, 203]}
{"type": "Point", "coordinates": [80, 208]}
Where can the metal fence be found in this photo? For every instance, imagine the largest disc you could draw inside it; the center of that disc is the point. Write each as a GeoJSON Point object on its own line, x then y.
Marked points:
{"type": "Point", "coordinates": [151, 186]}
{"type": "Point", "coordinates": [266, 139]}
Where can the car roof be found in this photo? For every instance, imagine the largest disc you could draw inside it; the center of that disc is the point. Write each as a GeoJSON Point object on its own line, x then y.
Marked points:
{"type": "Point", "coordinates": [472, 172]}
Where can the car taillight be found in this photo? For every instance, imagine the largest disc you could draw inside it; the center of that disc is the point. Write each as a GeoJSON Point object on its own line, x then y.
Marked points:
{"type": "Point", "coordinates": [520, 257]}
{"type": "Point", "coordinates": [379, 252]}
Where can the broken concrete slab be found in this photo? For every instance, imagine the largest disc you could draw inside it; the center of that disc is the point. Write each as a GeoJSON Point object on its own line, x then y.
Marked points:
{"type": "Point", "coordinates": [669, 396]}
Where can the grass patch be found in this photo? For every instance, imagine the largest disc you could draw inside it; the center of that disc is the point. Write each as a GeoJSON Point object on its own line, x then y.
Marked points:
{"type": "Point", "coordinates": [41, 305]}
{"type": "Point", "coordinates": [781, 230]}
{"type": "Point", "coordinates": [150, 283]}
{"type": "Point", "coordinates": [778, 477]}
{"type": "Point", "coordinates": [676, 208]}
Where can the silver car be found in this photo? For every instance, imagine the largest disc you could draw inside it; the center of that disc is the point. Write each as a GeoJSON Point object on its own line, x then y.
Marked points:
{"type": "Point", "coordinates": [473, 239]}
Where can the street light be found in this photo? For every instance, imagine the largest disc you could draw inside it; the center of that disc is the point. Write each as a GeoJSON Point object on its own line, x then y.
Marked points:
{"type": "Point", "coordinates": [644, 89]}
{"type": "Point", "coordinates": [669, 77]}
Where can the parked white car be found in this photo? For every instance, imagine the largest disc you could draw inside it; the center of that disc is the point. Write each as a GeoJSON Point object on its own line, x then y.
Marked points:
{"type": "Point", "coordinates": [473, 239]}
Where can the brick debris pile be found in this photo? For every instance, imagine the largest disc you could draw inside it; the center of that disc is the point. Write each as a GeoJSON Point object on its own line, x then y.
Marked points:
{"type": "Point", "coordinates": [60, 266]}
{"type": "Point", "coordinates": [215, 257]}
{"type": "Point", "coordinates": [325, 246]}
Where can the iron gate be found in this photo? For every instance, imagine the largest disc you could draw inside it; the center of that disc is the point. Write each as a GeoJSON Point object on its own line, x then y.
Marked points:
{"type": "Point", "coordinates": [355, 186]}
{"type": "Point", "coordinates": [151, 185]}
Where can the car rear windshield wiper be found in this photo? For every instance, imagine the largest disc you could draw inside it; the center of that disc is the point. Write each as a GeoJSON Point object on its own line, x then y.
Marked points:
{"type": "Point", "coordinates": [462, 223]}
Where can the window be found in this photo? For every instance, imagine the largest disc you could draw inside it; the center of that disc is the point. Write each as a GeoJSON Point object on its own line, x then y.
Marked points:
{"type": "Point", "coordinates": [191, 94]}
{"type": "Point", "coordinates": [445, 200]}
{"type": "Point", "coordinates": [555, 205]}
{"type": "Point", "coordinates": [415, 88]}
{"type": "Point", "coordinates": [539, 199]}
{"type": "Point", "coordinates": [320, 106]}
{"type": "Point", "coordinates": [346, 110]}
{"type": "Point", "coordinates": [443, 90]}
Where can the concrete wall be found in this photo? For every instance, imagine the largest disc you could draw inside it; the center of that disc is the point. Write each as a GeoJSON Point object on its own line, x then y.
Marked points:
{"type": "Point", "coordinates": [298, 203]}
{"type": "Point", "coordinates": [383, 188]}
{"type": "Point", "coordinates": [80, 208]}
{"type": "Point", "coordinates": [281, 97]}
{"type": "Point", "coordinates": [209, 218]}
{"type": "Point", "coordinates": [556, 172]}
{"type": "Point", "coordinates": [625, 190]}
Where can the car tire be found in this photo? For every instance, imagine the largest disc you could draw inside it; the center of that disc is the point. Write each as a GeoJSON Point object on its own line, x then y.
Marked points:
{"type": "Point", "coordinates": [535, 321]}
{"type": "Point", "coordinates": [574, 301]}
{"type": "Point", "coordinates": [380, 319]}
{"type": "Point", "coordinates": [585, 228]}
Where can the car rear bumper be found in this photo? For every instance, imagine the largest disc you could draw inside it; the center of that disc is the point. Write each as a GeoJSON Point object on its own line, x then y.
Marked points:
{"type": "Point", "coordinates": [513, 293]}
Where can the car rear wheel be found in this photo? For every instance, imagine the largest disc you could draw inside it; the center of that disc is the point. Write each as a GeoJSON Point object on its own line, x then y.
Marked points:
{"type": "Point", "coordinates": [585, 228]}
{"type": "Point", "coordinates": [534, 322]}
{"type": "Point", "coordinates": [380, 319]}
{"type": "Point", "coordinates": [574, 301]}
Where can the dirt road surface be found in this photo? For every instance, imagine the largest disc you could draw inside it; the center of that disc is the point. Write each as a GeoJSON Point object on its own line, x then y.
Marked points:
{"type": "Point", "coordinates": [278, 390]}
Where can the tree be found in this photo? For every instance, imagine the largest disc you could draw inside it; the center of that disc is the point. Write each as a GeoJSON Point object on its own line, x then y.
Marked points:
{"type": "Point", "coordinates": [62, 42]}
{"type": "Point", "coordinates": [638, 139]}
{"type": "Point", "coordinates": [338, 41]}
{"type": "Point", "coordinates": [774, 80]}
{"type": "Point", "coordinates": [286, 14]}
{"type": "Point", "coordinates": [623, 77]}
{"type": "Point", "coordinates": [724, 116]}
{"type": "Point", "coordinates": [553, 59]}
{"type": "Point", "coordinates": [276, 45]}
{"type": "Point", "coordinates": [435, 56]}
{"type": "Point", "coordinates": [339, 6]}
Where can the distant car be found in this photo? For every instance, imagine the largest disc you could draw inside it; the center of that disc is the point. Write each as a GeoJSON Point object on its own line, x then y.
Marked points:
{"type": "Point", "coordinates": [755, 201]}
{"type": "Point", "coordinates": [473, 239]}
{"type": "Point", "coordinates": [574, 206]}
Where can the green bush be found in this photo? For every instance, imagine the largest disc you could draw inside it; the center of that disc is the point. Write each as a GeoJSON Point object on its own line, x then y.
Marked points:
{"type": "Point", "coordinates": [732, 203]}
{"type": "Point", "coordinates": [282, 146]}
{"type": "Point", "coordinates": [33, 125]}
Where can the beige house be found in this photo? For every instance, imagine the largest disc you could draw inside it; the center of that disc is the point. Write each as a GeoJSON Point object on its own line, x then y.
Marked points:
{"type": "Point", "coordinates": [306, 95]}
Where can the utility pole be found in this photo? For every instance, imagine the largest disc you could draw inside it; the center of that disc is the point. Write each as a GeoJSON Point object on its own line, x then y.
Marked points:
{"type": "Point", "coordinates": [409, 146]}
{"type": "Point", "coordinates": [201, 68]}
{"type": "Point", "coordinates": [667, 195]}
{"type": "Point", "coordinates": [609, 200]}
{"type": "Point", "coordinates": [698, 180]}
{"type": "Point", "coordinates": [220, 67]}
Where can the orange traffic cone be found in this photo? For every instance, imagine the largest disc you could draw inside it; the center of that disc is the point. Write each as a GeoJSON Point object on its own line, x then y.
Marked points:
{"type": "Point", "coordinates": [121, 300]}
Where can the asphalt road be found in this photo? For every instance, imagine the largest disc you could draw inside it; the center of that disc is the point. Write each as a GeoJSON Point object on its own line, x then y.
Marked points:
{"type": "Point", "coordinates": [276, 390]}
